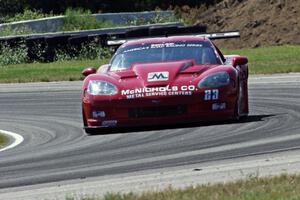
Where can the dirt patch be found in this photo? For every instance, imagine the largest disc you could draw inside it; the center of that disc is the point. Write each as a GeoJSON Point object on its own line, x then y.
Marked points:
{"type": "Point", "coordinates": [261, 22]}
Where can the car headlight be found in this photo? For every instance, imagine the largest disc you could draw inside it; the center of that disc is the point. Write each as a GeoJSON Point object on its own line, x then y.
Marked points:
{"type": "Point", "coordinates": [218, 79]}
{"type": "Point", "coordinates": [101, 88]}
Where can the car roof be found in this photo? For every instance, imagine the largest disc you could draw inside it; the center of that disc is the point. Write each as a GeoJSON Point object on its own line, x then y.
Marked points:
{"type": "Point", "coordinates": [164, 39]}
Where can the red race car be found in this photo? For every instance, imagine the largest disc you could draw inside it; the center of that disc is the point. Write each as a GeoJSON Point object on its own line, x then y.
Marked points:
{"type": "Point", "coordinates": [165, 80]}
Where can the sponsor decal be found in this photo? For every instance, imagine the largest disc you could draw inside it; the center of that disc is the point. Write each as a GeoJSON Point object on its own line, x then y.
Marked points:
{"type": "Point", "coordinates": [155, 101]}
{"type": "Point", "coordinates": [184, 90]}
{"type": "Point", "coordinates": [97, 114]}
{"type": "Point", "coordinates": [211, 95]}
{"type": "Point", "coordinates": [164, 45]}
{"type": "Point", "coordinates": [158, 76]}
{"type": "Point", "coordinates": [218, 106]}
{"type": "Point", "coordinates": [110, 123]}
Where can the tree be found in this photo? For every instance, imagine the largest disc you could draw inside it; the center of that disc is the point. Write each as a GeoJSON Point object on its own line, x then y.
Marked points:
{"type": "Point", "coordinates": [10, 7]}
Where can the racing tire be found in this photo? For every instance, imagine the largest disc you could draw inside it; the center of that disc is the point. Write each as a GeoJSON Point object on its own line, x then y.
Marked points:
{"type": "Point", "coordinates": [237, 108]}
{"type": "Point", "coordinates": [83, 118]}
{"type": "Point", "coordinates": [238, 115]}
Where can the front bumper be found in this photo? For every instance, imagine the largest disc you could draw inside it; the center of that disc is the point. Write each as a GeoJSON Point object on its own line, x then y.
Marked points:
{"type": "Point", "coordinates": [158, 111]}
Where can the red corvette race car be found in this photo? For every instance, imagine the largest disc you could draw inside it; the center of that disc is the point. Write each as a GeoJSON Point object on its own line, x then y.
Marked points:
{"type": "Point", "coordinates": [165, 80]}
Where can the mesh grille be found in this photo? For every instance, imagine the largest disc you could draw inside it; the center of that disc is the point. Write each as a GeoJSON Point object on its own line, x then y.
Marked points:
{"type": "Point", "coordinates": [159, 111]}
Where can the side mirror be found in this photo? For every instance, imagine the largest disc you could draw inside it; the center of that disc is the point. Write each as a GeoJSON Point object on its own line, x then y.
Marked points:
{"type": "Point", "coordinates": [88, 71]}
{"type": "Point", "coordinates": [239, 61]}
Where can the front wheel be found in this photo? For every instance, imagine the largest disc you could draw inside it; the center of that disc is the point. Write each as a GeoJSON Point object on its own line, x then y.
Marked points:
{"type": "Point", "coordinates": [238, 113]}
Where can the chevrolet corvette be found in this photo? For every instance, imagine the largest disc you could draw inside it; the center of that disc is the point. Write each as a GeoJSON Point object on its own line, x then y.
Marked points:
{"type": "Point", "coordinates": [165, 80]}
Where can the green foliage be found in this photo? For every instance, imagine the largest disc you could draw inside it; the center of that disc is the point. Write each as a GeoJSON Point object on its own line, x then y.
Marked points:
{"type": "Point", "coordinates": [39, 50]}
{"type": "Point", "coordinates": [13, 54]}
{"type": "Point", "coordinates": [61, 55]}
{"type": "Point", "coordinates": [92, 51]}
{"type": "Point", "coordinates": [76, 20]}
{"type": "Point", "coordinates": [66, 67]}
{"type": "Point", "coordinates": [17, 54]}
{"type": "Point", "coordinates": [27, 15]}
{"type": "Point", "coordinates": [79, 19]}
{"type": "Point", "coordinates": [10, 8]}
{"type": "Point", "coordinates": [158, 18]}
{"type": "Point", "coordinates": [87, 51]}
{"type": "Point", "coordinates": [15, 31]}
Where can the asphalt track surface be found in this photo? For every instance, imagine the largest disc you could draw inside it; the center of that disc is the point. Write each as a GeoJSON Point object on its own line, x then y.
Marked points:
{"type": "Point", "coordinates": [55, 148]}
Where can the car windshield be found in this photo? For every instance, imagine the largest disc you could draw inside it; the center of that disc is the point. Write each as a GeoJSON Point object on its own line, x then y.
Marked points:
{"type": "Point", "coordinates": [202, 52]}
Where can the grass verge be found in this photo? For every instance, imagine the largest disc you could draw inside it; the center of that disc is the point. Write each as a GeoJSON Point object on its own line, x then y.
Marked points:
{"type": "Point", "coordinates": [267, 60]}
{"type": "Point", "coordinates": [45, 72]}
{"type": "Point", "coordinates": [3, 140]}
{"type": "Point", "coordinates": [284, 187]}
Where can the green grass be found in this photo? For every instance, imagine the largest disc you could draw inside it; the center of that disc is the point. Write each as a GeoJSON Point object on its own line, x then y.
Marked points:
{"type": "Point", "coordinates": [45, 72]}
{"type": "Point", "coordinates": [3, 140]}
{"type": "Point", "coordinates": [269, 60]}
{"type": "Point", "coordinates": [278, 188]}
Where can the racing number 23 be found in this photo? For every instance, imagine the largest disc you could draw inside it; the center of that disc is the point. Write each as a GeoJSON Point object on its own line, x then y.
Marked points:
{"type": "Point", "coordinates": [211, 95]}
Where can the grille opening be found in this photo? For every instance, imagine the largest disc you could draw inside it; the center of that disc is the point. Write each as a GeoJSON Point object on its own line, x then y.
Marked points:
{"type": "Point", "coordinates": [159, 111]}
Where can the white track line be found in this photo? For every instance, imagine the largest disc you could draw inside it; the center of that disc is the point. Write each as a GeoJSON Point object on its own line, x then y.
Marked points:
{"type": "Point", "coordinates": [18, 139]}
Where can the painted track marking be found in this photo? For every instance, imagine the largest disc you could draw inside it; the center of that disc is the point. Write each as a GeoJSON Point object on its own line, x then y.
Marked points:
{"type": "Point", "coordinates": [18, 139]}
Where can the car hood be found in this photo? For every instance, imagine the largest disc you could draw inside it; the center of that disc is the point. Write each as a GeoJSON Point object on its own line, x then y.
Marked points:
{"type": "Point", "coordinates": [162, 73]}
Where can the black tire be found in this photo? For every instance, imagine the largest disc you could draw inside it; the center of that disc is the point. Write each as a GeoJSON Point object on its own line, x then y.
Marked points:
{"type": "Point", "coordinates": [237, 108]}
{"type": "Point", "coordinates": [238, 116]}
{"type": "Point", "coordinates": [83, 118]}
